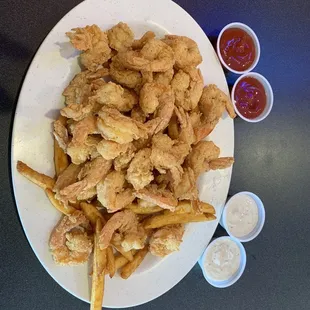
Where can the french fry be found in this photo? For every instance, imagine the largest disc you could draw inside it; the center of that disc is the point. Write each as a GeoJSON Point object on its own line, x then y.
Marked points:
{"type": "Point", "coordinates": [92, 213]}
{"type": "Point", "coordinates": [58, 204]}
{"type": "Point", "coordinates": [110, 262]}
{"type": "Point", "coordinates": [121, 261]}
{"type": "Point", "coordinates": [128, 255]}
{"type": "Point", "coordinates": [185, 206]}
{"type": "Point", "coordinates": [61, 159]}
{"type": "Point", "coordinates": [99, 266]}
{"type": "Point", "coordinates": [171, 218]}
{"type": "Point", "coordinates": [143, 210]}
{"type": "Point", "coordinates": [35, 177]}
{"type": "Point", "coordinates": [130, 267]}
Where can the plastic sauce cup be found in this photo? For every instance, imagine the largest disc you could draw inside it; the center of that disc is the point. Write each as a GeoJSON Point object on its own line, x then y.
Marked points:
{"type": "Point", "coordinates": [252, 34]}
{"type": "Point", "coordinates": [269, 96]}
{"type": "Point", "coordinates": [261, 218]}
{"type": "Point", "coordinates": [234, 278]}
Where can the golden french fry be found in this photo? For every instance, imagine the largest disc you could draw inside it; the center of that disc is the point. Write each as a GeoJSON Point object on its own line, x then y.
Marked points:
{"type": "Point", "coordinates": [61, 159]}
{"type": "Point", "coordinates": [185, 206]}
{"type": "Point", "coordinates": [92, 213]}
{"type": "Point", "coordinates": [128, 255]}
{"type": "Point", "coordinates": [40, 179]}
{"type": "Point", "coordinates": [121, 261]}
{"type": "Point", "coordinates": [58, 204]}
{"type": "Point", "coordinates": [110, 262]}
{"type": "Point", "coordinates": [143, 210]}
{"type": "Point", "coordinates": [171, 218]}
{"type": "Point", "coordinates": [130, 267]}
{"type": "Point", "coordinates": [99, 266]}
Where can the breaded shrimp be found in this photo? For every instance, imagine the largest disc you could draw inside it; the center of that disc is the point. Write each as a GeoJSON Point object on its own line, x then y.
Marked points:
{"type": "Point", "coordinates": [70, 248]}
{"type": "Point", "coordinates": [126, 224]}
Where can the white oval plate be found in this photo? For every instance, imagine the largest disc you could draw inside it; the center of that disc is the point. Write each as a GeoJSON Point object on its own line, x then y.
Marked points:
{"type": "Point", "coordinates": [53, 67]}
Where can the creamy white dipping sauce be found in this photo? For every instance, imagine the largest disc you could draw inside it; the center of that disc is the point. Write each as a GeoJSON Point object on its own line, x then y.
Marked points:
{"type": "Point", "coordinates": [222, 259]}
{"type": "Point", "coordinates": [241, 215]}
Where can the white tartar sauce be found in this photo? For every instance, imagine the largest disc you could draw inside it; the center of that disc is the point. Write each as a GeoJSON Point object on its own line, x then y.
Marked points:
{"type": "Point", "coordinates": [222, 259]}
{"type": "Point", "coordinates": [241, 215]}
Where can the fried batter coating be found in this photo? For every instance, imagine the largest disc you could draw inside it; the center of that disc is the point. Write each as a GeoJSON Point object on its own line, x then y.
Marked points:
{"type": "Point", "coordinates": [166, 240]}
{"type": "Point", "coordinates": [185, 49]}
{"type": "Point", "coordinates": [89, 176]}
{"type": "Point", "coordinates": [70, 248]}
{"type": "Point", "coordinates": [200, 156]}
{"type": "Point", "coordinates": [138, 44]}
{"type": "Point", "coordinates": [119, 128]}
{"type": "Point", "coordinates": [221, 163]}
{"type": "Point", "coordinates": [120, 37]}
{"type": "Point", "coordinates": [61, 134]}
{"type": "Point", "coordinates": [122, 161]}
{"type": "Point", "coordinates": [139, 173]}
{"type": "Point", "coordinates": [114, 95]}
{"type": "Point", "coordinates": [94, 43]}
{"type": "Point", "coordinates": [126, 224]}
{"type": "Point", "coordinates": [125, 77]}
{"type": "Point", "coordinates": [112, 194]}
{"type": "Point", "coordinates": [155, 56]}
{"type": "Point", "coordinates": [212, 104]}
{"type": "Point", "coordinates": [162, 115]}
{"type": "Point", "coordinates": [187, 85]}
{"type": "Point", "coordinates": [110, 149]}
{"type": "Point", "coordinates": [158, 196]}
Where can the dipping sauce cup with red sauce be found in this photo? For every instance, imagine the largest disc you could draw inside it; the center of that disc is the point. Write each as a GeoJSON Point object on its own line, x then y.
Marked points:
{"type": "Point", "coordinates": [238, 48]}
{"type": "Point", "coordinates": [252, 97]}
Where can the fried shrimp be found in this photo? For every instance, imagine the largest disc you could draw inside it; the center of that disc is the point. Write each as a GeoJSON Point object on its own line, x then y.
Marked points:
{"type": "Point", "coordinates": [212, 104]}
{"type": "Point", "coordinates": [164, 78]}
{"type": "Point", "coordinates": [186, 189]}
{"type": "Point", "coordinates": [78, 90]}
{"type": "Point", "coordinates": [187, 85]}
{"type": "Point", "coordinates": [122, 161]}
{"type": "Point", "coordinates": [155, 56]}
{"type": "Point", "coordinates": [185, 49]}
{"type": "Point", "coordinates": [158, 196]}
{"type": "Point", "coordinates": [114, 95]}
{"type": "Point", "coordinates": [70, 247]}
{"type": "Point", "coordinates": [138, 44]}
{"type": "Point", "coordinates": [124, 76]}
{"type": "Point", "coordinates": [119, 128]}
{"type": "Point", "coordinates": [163, 113]}
{"type": "Point", "coordinates": [82, 129]}
{"type": "Point", "coordinates": [200, 156]}
{"type": "Point", "coordinates": [151, 95]}
{"type": "Point", "coordinates": [120, 37]}
{"type": "Point", "coordinates": [110, 149]}
{"type": "Point", "coordinates": [166, 240]}
{"type": "Point", "coordinates": [94, 43]}
{"type": "Point", "coordinates": [186, 133]}
{"type": "Point", "coordinates": [89, 176]}
{"type": "Point", "coordinates": [169, 155]}
{"type": "Point", "coordinates": [139, 173]}
{"type": "Point", "coordinates": [111, 192]}
{"type": "Point", "coordinates": [61, 134]}
{"type": "Point", "coordinates": [80, 153]}
{"type": "Point", "coordinates": [126, 224]}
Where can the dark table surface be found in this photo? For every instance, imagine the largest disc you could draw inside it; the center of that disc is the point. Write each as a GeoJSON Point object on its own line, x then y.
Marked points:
{"type": "Point", "coordinates": [272, 160]}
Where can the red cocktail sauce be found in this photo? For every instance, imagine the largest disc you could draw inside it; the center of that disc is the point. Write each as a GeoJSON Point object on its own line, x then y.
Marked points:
{"type": "Point", "coordinates": [237, 49]}
{"type": "Point", "coordinates": [250, 97]}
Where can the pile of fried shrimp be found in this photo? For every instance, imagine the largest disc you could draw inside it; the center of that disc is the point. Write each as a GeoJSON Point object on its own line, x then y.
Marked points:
{"type": "Point", "coordinates": [129, 145]}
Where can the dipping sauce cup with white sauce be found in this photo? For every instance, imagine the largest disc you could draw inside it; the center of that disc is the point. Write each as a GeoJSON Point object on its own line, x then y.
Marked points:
{"type": "Point", "coordinates": [243, 216]}
{"type": "Point", "coordinates": [223, 262]}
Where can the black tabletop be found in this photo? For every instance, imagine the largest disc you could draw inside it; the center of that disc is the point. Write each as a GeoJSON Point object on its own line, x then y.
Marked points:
{"type": "Point", "coordinates": [272, 160]}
